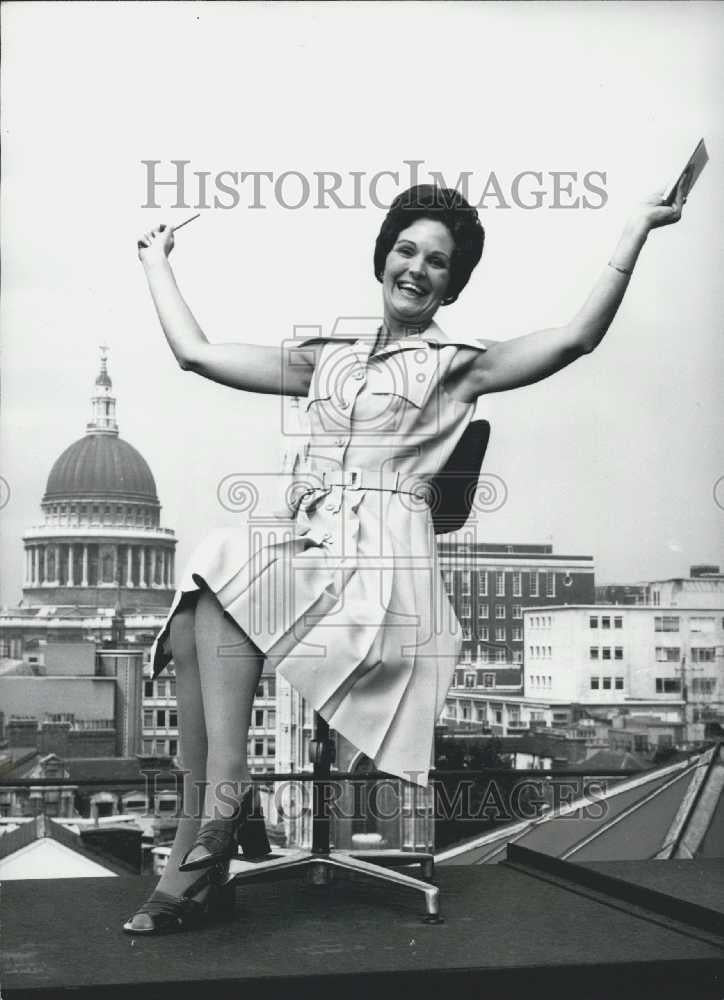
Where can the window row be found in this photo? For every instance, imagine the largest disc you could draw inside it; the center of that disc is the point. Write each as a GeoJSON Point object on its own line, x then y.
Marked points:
{"type": "Point", "coordinates": [540, 651]}
{"type": "Point", "coordinates": [162, 687]}
{"type": "Point", "coordinates": [606, 683]}
{"type": "Point", "coordinates": [262, 746]}
{"type": "Point", "coordinates": [160, 718]}
{"type": "Point", "coordinates": [500, 632]}
{"type": "Point", "coordinates": [604, 652]}
{"type": "Point", "coordinates": [541, 621]}
{"type": "Point", "coordinates": [605, 621]}
{"type": "Point", "coordinates": [540, 680]}
{"type": "Point", "coordinates": [539, 583]}
{"type": "Point", "coordinates": [264, 718]}
{"type": "Point", "coordinates": [162, 748]}
{"type": "Point", "coordinates": [516, 610]}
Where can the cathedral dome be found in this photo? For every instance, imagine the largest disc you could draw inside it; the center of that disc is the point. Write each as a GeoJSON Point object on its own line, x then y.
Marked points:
{"type": "Point", "coordinates": [103, 466]}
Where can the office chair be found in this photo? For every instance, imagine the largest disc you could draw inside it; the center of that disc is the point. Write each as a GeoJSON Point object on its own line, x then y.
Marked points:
{"type": "Point", "coordinates": [452, 494]}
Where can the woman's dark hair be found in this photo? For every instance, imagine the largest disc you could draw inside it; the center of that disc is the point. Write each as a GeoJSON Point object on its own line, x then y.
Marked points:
{"type": "Point", "coordinates": [426, 201]}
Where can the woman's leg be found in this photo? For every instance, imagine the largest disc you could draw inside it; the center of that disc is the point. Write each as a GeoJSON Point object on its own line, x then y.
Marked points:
{"type": "Point", "coordinates": [229, 669]}
{"type": "Point", "coordinates": [193, 744]}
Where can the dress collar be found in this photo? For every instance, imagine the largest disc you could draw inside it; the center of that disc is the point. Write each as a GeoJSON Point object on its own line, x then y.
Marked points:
{"type": "Point", "coordinates": [353, 329]}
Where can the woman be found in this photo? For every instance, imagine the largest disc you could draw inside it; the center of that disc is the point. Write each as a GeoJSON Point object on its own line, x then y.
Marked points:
{"type": "Point", "coordinates": [346, 603]}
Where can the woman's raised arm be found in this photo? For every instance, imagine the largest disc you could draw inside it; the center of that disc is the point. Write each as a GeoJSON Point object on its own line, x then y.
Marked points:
{"type": "Point", "coordinates": [524, 360]}
{"type": "Point", "coordinates": [280, 370]}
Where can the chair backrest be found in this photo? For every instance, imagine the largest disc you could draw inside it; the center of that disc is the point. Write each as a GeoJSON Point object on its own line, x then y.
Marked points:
{"type": "Point", "coordinates": [453, 488]}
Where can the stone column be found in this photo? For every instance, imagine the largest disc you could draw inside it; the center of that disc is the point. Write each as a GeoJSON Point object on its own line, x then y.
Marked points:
{"type": "Point", "coordinates": [70, 565]}
{"type": "Point", "coordinates": [152, 578]}
{"type": "Point", "coordinates": [45, 563]}
{"type": "Point", "coordinates": [129, 566]}
{"type": "Point", "coordinates": [116, 567]}
{"type": "Point", "coordinates": [172, 576]}
{"type": "Point", "coordinates": [142, 567]}
{"type": "Point", "coordinates": [84, 580]}
{"type": "Point", "coordinates": [57, 565]}
{"type": "Point", "coordinates": [36, 565]}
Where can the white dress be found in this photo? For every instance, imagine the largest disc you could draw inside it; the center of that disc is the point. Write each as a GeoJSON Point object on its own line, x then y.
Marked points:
{"type": "Point", "coordinates": [345, 597]}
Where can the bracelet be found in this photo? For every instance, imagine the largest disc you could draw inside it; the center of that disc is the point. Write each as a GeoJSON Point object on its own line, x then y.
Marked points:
{"type": "Point", "coordinates": [622, 270]}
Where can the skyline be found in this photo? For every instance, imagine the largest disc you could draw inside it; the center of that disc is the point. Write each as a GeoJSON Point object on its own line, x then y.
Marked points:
{"type": "Point", "coordinates": [616, 457]}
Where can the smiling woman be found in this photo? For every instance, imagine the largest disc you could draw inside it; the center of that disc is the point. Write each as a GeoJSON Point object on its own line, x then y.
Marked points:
{"type": "Point", "coordinates": [347, 600]}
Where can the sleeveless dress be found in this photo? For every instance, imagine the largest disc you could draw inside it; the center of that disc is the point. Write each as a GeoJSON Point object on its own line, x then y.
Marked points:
{"type": "Point", "coordinates": [345, 597]}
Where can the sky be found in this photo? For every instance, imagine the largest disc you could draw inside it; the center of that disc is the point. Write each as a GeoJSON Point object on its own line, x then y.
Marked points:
{"type": "Point", "coordinates": [618, 456]}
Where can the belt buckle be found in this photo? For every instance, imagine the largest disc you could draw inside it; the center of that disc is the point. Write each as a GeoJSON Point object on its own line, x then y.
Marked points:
{"type": "Point", "coordinates": [353, 478]}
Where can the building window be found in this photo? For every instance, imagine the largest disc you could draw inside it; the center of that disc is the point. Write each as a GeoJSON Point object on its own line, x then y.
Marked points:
{"type": "Point", "coordinates": [533, 580]}
{"type": "Point", "coordinates": [447, 580]}
{"type": "Point", "coordinates": [703, 655]}
{"type": "Point", "coordinates": [605, 621]}
{"type": "Point", "coordinates": [148, 746]}
{"type": "Point", "coordinates": [593, 621]}
{"type": "Point", "coordinates": [593, 652]}
{"type": "Point", "coordinates": [483, 654]}
{"type": "Point", "coordinates": [498, 713]}
{"type": "Point", "coordinates": [173, 747]}
{"type": "Point", "coordinates": [469, 680]}
{"type": "Point", "coordinates": [483, 583]}
{"type": "Point", "coordinates": [467, 654]}
{"type": "Point", "coordinates": [618, 622]}
{"type": "Point", "coordinates": [464, 607]}
{"type": "Point", "coordinates": [619, 683]}
{"type": "Point", "coordinates": [594, 684]}
{"type": "Point", "coordinates": [618, 653]}
{"type": "Point", "coordinates": [606, 683]}
{"type": "Point", "coordinates": [703, 685]}
{"type": "Point", "coordinates": [483, 633]}
{"type": "Point", "coordinates": [517, 584]}
{"type": "Point", "coordinates": [606, 653]}
{"type": "Point", "coordinates": [147, 719]}
{"type": "Point", "coordinates": [666, 623]}
{"type": "Point", "coordinates": [258, 748]}
{"type": "Point", "coordinates": [500, 611]}
{"type": "Point", "coordinates": [483, 611]}
{"type": "Point", "coordinates": [500, 584]}
{"type": "Point", "coordinates": [517, 656]}
{"type": "Point", "coordinates": [161, 718]}
{"type": "Point", "coordinates": [550, 584]}
{"type": "Point", "coordinates": [148, 689]}
{"type": "Point", "coordinates": [258, 716]}
{"type": "Point", "coordinates": [464, 582]}
{"type": "Point", "coordinates": [500, 634]}
{"type": "Point", "coordinates": [172, 720]}
{"type": "Point", "coordinates": [668, 654]}
{"type": "Point", "coordinates": [500, 656]}
{"type": "Point", "coordinates": [517, 611]}
{"type": "Point", "coordinates": [701, 624]}
{"type": "Point", "coordinates": [161, 688]}
{"type": "Point", "coordinates": [467, 631]}
{"type": "Point", "coordinates": [517, 634]}
{"type": "Point", "coordinates": [668, 685]}
{"type": "Point", "coordinates": [480, 713]}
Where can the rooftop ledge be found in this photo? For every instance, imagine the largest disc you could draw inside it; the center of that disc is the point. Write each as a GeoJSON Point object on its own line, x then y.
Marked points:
{"type": "Point", "coordinates": [530, 926]}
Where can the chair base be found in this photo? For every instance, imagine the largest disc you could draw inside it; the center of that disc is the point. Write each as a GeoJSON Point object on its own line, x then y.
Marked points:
{"type": "Point", "coordinates": [320, 868]}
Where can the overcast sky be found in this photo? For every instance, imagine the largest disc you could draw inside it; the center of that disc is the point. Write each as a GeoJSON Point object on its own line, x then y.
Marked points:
{"type": "Point", "coordinates": [616, 457]}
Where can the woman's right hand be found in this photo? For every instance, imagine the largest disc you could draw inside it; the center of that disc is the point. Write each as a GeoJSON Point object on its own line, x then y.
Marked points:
{"type": "Point", "coordinates": [156, 244]}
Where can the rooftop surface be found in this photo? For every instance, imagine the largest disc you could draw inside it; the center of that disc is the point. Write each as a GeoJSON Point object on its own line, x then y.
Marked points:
{"type": "Point", "coordinates": [511, 930]}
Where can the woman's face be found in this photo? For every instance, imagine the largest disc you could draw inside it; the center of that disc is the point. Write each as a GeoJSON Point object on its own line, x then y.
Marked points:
{"type": "Point", "coordinates": [417, 273]}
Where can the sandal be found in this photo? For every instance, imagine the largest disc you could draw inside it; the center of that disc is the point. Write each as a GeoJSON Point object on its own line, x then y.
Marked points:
{"type": "Point", "coordinates": [163, 913]}
{"type": "Point", "coordinates": [219, 837]}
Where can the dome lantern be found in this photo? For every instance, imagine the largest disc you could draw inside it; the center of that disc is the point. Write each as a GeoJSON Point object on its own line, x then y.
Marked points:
{"type": "Point", "coordinates": [103, 418]}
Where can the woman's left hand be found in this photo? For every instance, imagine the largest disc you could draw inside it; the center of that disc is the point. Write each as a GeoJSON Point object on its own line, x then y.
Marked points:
{"type": "Point", "coordinates": [653, 213]}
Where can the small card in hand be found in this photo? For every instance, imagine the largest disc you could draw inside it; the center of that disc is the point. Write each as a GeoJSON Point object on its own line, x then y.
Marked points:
{"type": "Point", "coordinates": [694, 166]}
